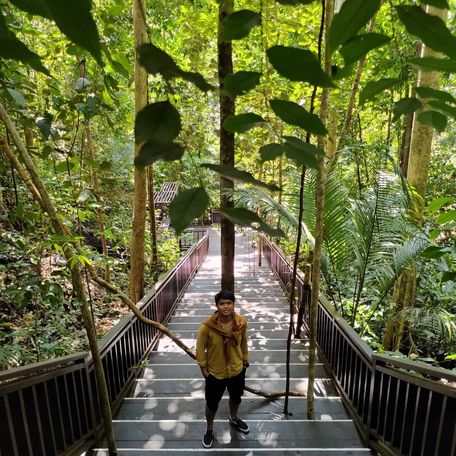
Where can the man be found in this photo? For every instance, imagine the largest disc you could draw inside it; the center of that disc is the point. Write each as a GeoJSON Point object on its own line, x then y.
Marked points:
{"type": "Point", "coordinates": [222, 354]}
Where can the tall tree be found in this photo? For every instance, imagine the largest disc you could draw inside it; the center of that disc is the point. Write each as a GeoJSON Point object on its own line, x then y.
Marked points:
{"type": "Point", "coordinates": [137, 261]}
{"type": "Point", "coordinates": [225, 67]}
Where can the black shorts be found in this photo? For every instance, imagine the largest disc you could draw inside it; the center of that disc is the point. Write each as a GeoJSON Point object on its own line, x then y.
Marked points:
{"type": "Point", "coordinates": [216, 387]}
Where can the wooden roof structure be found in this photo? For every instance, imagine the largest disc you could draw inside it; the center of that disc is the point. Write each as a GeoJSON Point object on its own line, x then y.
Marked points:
{"type": "Point", "coordinates": [166, 194]}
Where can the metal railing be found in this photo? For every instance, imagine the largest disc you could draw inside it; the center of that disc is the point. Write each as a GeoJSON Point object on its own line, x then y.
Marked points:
{"type": "Point", "coordinates": [401, 406]}
{"type": "Point", "coordinates": [190, 236]}
{"type": "Point", "coordinates": [52, 407]}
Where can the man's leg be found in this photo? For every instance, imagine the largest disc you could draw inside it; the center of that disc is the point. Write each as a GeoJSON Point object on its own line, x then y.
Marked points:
{"type": "Point", "coordinates": [236, 390]}
{"type": "Point", "coordinates": [210, 415]}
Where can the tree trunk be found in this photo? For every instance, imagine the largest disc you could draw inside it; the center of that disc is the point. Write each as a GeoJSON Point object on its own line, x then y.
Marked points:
{"type": "Point", "coordinates": [139, 205]}
{"type": "Point", "coordinates": [319, 226]}
{"type": "Point", "coordinates": [225, 67]}
{"type": "Point", "coordinates": [96, 189]}
{"type": "Point", "coordinates": [152, 219]}
{"type": "Point", "coordinates": [417, 175]}
{"type": "Point", "coordinates": [78, 288]}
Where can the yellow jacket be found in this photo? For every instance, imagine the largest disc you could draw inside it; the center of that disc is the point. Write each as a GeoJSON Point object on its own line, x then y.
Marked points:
{"type": "Point", "coordinates": [223, 353]}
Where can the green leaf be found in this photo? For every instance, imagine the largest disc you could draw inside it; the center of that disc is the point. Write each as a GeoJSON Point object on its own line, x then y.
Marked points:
{"type": "Point", "coordinates": [240, 83]}
{"type": "Point", "coordinates": [438, 203]}
{"type": "Point", "coordinates": [35, 7]}
{"type": "Point", "coordinates": [302, 153]}
{"type": "Point", "coordinates": [293, 114]}
{"type": "Point", "coordinates": [44, 124]}
{"type": "Point", "coordinates": [360, 45]}
{"type": "Point", "coordinates": [244, 217]}
{"type": "Point", "coordinates": [238, 25]}
{"type": "Point", "coordinates": [153, 151]}
{"type": "Point", "coordinates": [405, 106]}
{"type": "Point", "coordinates": [428, 92]}
{"type": "Point", "coordinates": [447, 277]}
{"type": "Point", "coordinates": [442, 4]}
{"type": "Point", "coordinates": [434, 251]}
{"type": "Point", "coordinates": [17, 97]}
{"type": "Point", "coordinates": [446, 217]}
{"type": "Point", "coordinates": [186, 207]}
{"type": "Point", "coordinates": [430, 29]}
{"type": "Point", "coordinates": [297, 64]}
{"type": "Point", "coordinates": [373, 88]}
{"type": "Point", "coordinates": [158, 122]}
{"type": "Point", "coordinates": [295, 2]}
{"type": "Point", "coordinates": [271, 151]}
{"type": "Point", "coordinates": [242, 122]}
{"type": "Point", "coordinates": [197, 80]}
{"type": "Point", "coordinates": [353, 15]}
{"type": "Point", "coordinates": [433, 119]}
{"type": "Point", "coordinates": [232, 173]}
{"type": "Point", "coordinates": [64, 166]}
{"type": "Point", "coordinates": [441, 106]}
{"type": "Point", "coordinates": [12, 48]}
{"type": "Point", "coordinates": [432, 63]}
{"type": "Point", "coordinates": [74, 20]}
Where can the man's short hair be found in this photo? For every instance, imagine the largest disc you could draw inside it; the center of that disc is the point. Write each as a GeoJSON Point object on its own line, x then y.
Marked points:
{"type": "Point", "coordinates": [224, 294]}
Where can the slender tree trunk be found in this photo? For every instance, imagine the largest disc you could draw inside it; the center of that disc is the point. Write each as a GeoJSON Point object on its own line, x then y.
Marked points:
{"type": "Point", "coordinates": [319, 224]}
{"type": "Point", "coordinates": [96, 188]}
{"type": "Point", "coordinates": [152, 219]}
{"type": "Point", "coordinates": [417, 175]}
{"type": "Point", "coordinates": [78, 288]}
{"type": "Point", "coordinates": [137, 261]}
{"type": "Point", "coordinates": [225, 67]}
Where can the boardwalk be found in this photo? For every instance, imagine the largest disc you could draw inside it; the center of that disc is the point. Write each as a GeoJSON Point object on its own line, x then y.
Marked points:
{"type": "Point", "coordinates": [164, 414]}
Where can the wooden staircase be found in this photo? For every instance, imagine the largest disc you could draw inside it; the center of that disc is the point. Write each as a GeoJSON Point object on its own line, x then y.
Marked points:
{"type": "Point", "coordinates": [165, 413]}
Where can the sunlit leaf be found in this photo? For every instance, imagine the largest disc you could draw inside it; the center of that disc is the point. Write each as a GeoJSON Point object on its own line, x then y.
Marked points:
{"type": "Point", "coordinates": [360, 45]}
{"type": "Point", "coordinates": [443, 107]}
{"type": "Point", "coordinates": [438, 203]}
{"type": "Point", "coordinates": [271, 151]}
{"type": "Point", "coordinates": [405, 105]}
{"type": "Point", "coordinates": [233, 173]}
{"type": "Point", "coordinates": [242, 122]}
{"type": "Point", "coordinates": [433, 119]}
{"type": "Point", "coordinates": [429, 28]}
{"type": "Point", "coordinates": [17, 97]}
{"type": "Point", "coordinates": [353, 15]}
{"type": "Point", "coordinates": [240, 83]}
{"type": "Point", "coordinates": [295, 2]}
{"type": "Point", "coordinates": [186, 207]}
{"type": "Point", "coordinates": [153, 151]}
{"type": "Point", "coordinates": [293, 114]}
{"type": "Point", "coordinates": [297, 64]}
{"type": "Point", "coordinates": [244, 217]}
{"type": "Point", "coordinates": [158, 122]}
{"type": "Point", "coordinates": [446, 217]}
{"type": "Point", "coordinates": [237, 25]}
{"type": "Point", "coordinates": [373, 88]}
{"type": "Point", "coordinates": [74, 20]}
{"type": "Point", "coordinates": [433, 63]}
{"type": "Point", "coordinates": [427, 92]}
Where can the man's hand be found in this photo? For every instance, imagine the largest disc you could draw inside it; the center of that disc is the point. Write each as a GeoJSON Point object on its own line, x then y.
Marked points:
{"type": "Point", "coordinates": [205, 372]}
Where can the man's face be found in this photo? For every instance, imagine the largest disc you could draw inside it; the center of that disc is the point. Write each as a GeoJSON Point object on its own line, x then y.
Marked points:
{"type": "Point", "coordinates": [225, 306]}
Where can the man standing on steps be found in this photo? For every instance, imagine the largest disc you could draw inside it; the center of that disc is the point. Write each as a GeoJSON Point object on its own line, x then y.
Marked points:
{"type": "Point", "coordinates": [222, 354]}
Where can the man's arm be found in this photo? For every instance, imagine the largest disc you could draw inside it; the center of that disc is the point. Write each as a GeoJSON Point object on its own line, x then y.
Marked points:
{"type": "Point", "coordinates": [245, 348]}
{"type": "Point", "coordinates": [201, 358]}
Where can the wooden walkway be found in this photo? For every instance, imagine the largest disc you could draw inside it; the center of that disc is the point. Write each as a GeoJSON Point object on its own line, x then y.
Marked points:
{"type": "Point", "coordinates": [165, 413]}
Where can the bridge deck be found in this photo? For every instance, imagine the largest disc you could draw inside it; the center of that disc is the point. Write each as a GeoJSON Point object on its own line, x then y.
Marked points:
{"type": "Point", "coordinates": [164, 414]}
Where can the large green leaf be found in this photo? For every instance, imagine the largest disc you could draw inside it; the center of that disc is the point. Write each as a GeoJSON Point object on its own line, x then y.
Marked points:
{"type": "Point", "coordinates": [44, 124]}
{"type": "Point", "coordinates": [373, 88]}
{"type": "Point", "coordinates": [242, 122]}
{"type": "Point", "coordinates": [244, 217]}
{"type": "Point", "coordinates": [437, 3]}
{"type": "Point", "coordinates": [156, 61]}
{"type": "Point", "coordinates": [159, 122]}
{"type": "Point", "coordinates": [427, 92]}
{"type": "Point", "coordinates": [240, 83]}
{"type": "Point", "coordinates": [36, 7]}
{"type": "Point", "coordinates": [433, 119]}
{"type": "Point", "coordinates": [186, 207]}
{"type": "Point", "coordinates": [443, 107]}
{"type": "Point", "coordinates": [295, 2]}
{"type": "Point", "coordinates": [360, 45]}
{"type": "Point", "coordinates": [432, 63]}
{"type": "Point", "coordinates": [438, 203]}
{"type": "Point", "coordinates": [430, 29]}
{"type": "Point", "coordinates": [74, 19]}
{"type": "Point", "coordinates": [405, 105]}
{"type": "Point", "coordinates": [238, 25]}
{"type": "Point", "coordinates": [17, 97]}
{"type": "Point", "coordinates": [153, 151]}
{"type": "Point", "coordinates": [293, 114]}
{"type": "Point", "coordinates": [353, 15]}
{"type": "Point", "coordinates": [297, 64]}
{"type": "Point", "coordinates": [302, 153]}
{"type": "Point", "coordinates": [232, 173]}
{"type": "Point", "coordinates": [271, 151]}
{"type": "Point", "coordinates": [12, 48]}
